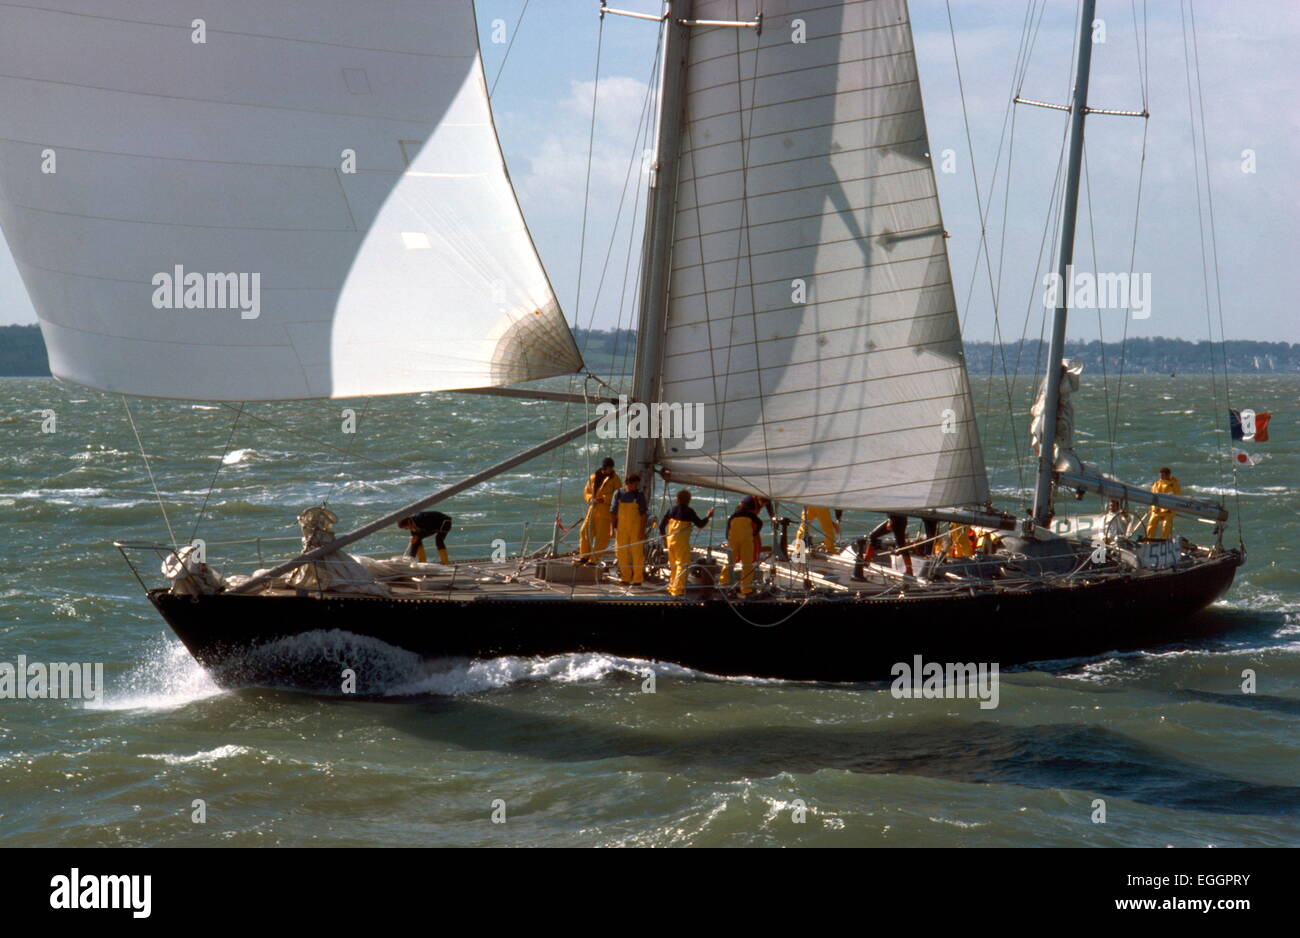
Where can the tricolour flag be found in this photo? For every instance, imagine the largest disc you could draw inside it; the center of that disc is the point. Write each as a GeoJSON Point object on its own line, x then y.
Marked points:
{"type": "Point", "coordinates": [1249, 426]}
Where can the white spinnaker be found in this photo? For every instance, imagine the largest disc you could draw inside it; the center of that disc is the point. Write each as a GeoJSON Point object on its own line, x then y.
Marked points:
{"type": "Point", "coordinates": [805, 166]}
{"type": "Point", "coordinates": [414, 273]}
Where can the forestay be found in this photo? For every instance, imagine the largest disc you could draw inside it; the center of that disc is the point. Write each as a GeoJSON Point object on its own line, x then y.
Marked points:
{"type": "Point", "coordinates": [225, 165]}
{"type": "Point", "coordinates": [811, 304]}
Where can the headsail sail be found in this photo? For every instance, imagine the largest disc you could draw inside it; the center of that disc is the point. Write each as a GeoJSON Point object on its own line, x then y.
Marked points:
{"type": "Point", "coordinates": [180, 166]}
{"type": "Point", "coordinates": [811, 305]}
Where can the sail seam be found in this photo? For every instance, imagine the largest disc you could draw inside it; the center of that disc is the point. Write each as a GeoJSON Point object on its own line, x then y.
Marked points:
{"type": "Point", "coordinates": [229, 32]}
{"type": "Point", "coordinates": [816, 185]}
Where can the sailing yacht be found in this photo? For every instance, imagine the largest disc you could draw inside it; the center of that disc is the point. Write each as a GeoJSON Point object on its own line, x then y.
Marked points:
{"type": "Point", "coordinates": [794, 280]}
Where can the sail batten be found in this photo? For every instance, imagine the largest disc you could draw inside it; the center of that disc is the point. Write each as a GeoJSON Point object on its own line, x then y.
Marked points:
{"type": "Point", "coordinates": [354, 188]}
{"type": "Point", "coordinates": [811, 306]}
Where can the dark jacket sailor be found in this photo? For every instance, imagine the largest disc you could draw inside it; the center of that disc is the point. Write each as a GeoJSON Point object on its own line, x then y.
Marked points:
{"type": "Point", "coordinates": [744, 539]}
{"type": "Point", "coordinates": [427, 524]}
{"type": "Point", "coordinates": [675, 529]}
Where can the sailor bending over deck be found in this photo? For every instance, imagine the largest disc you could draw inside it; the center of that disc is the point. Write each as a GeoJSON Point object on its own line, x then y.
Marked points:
{"type": "Point", "coordinates": [1160, 521]}
{"type": "Point", "coordinates": [628, 525]}
{"type": "Point", "coordinates": [599, 492]}
{"type": "Point", "coordinates": [427, 524]}
{"type": "Point", "coordinates": [675, 529]}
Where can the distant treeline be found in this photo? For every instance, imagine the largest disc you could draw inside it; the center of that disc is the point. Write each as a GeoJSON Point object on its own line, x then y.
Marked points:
{"type": "Point", "coordinates": [612, 351]}
{"type": "Point", "coordinates": [22, 352]}
{"type": "Point", "coordinates": [1141, 357]}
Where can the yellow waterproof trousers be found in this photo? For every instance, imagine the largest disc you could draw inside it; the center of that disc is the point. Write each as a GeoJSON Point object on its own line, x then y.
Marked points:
{"type": "Point", "coordinates": [593, 536]}
{"type": "Point", "coordinates": [679, 555]}
{"type": "Point", "coordinates": [820, 516]}
{"type": "Point", "coordinates": [740, 536]}
{"type": "Point", "coordinates": [1160, 524]}
{"type": "Point", "coordinates": [629, 544]}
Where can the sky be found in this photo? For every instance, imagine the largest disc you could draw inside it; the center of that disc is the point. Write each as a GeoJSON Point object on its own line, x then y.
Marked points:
{"type": "Point", "coordinates": [1249, 75]}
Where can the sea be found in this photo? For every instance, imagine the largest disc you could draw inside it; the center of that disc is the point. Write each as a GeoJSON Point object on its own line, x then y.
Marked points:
{"type": "Point", "coordinates": [1194, 744]}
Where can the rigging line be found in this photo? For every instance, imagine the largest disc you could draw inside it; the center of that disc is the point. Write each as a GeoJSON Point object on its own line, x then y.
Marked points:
{"type": "Point", "coordinates": [983, 216]}
{"type": "Point", "coordinates": [744, 228]}
{"type": "Point", "coordinates": [618, 213]}
{"type": "Point", "coordinates": [145, 456]}
{"type": "Point", "coordinates": [504, 58]}
{"type": "Point", "coordinates": [1101, 337]}
{"type": "Point", "coordinates": [1029, 51]}
{"type": "Point", "coordinates": [1214, 252]}
{"type": "Point", "coordinates": [642, 189]}
{"type": "Point", "coordinates": [1205, 266]}
{"type": "Point", "coordinates": [352, 442]}
{"type": "Point", "coordinates": [591, 145]}
{"type": "Point", "coordinates": [1137, 48]}
{"type": "Point", "coordinates": [220, 463]}
{"type": "Point", "coordinates": [1123, 346]}
{"type": "Point", "coordinates": [1047, 237]}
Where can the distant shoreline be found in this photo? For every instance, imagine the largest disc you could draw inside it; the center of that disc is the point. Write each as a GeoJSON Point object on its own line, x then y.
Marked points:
{"type": "Point", "coordinates": [608, 352]}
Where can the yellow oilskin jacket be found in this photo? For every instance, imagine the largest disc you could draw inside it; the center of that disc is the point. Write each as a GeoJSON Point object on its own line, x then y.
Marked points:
{"type": "Point", "coordinates": [606, 489]}
{"type": "Point", "coordinates": [959, 537]}
{"type": "Point", "coordinates": [1168, 486]}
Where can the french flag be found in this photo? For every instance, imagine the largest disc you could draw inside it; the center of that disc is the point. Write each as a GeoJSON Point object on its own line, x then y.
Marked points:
{"type": "Point", "coordinates": [1249, 426]}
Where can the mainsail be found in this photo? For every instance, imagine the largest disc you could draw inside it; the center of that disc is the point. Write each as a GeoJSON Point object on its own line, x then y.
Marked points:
{"type": "Point", "coordinates": [142, 169]}
{"type": "Point", "coordinates": [811, 306]}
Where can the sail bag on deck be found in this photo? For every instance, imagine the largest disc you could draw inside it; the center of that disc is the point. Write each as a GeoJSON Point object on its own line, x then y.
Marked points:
{"type": "Point", "coordinates": [298, 199]}
{"type": "Point", "coordinates": [811, 306]}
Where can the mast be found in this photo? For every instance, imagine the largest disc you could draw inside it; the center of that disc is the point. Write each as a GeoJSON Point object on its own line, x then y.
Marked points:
{"type": "Point", "coordinates": [657, 246]}
{"type": "Point", "coordinates": [1065, 258]}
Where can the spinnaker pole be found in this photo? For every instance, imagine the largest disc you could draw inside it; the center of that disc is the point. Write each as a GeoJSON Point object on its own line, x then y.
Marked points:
{"type": "Point", "coordinates": [343, 540]}
{"type": "Point", "coordinates": [1064, 261]}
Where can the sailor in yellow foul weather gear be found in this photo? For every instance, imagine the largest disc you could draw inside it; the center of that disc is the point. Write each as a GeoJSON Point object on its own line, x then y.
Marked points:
{"type": "Point", "coordinates": [819, 515]}
{"type": "Point", "coordinates": [599, 491]}
{"type": "Point", "coordinates": [961, 541]}
{"type": "Point", "coordinates": [1160, 521]}
{"type": "Point", "coordinates": [675, 528]}
{"type": "Point", "coordinates": [743, 529]}
{"type": "Point", "coordinates": [629, 529]}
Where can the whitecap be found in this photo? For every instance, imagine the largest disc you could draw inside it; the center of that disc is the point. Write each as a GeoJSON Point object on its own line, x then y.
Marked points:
{"type": "Point", "coordinates": [211, 755]}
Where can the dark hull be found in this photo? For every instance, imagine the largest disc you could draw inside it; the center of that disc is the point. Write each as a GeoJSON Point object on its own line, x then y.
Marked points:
{"type": "Point", "coordinates": [826, 640]}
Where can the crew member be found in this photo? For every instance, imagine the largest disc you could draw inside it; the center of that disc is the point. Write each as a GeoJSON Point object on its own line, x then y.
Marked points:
{"type": "Point", "coordinates": [1160, 521]}
{"type": "Point", "coordinates": [1115, 523]}
{"type": "Point", "coordinates": [675, 528]}
{"type": "Point", "coordinates": [897, 526]}
{"type": "Point", "coordinates": [754, 504]}
{"type": "Point", "coordinates": [743, 529]}
{"type": "Point", "coordinates": [819, 515]}
{"type": "Point", "coordinates": [427, 524]}
{"type": "Point", "coordinates": [628, 523]}
{"type": "Point", "coordinates": [961, 541]}
{"type": "Point", "coordinates": [593, 537]}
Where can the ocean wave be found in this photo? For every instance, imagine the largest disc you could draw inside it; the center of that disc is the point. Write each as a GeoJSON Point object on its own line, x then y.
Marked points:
{"type": "Point", "coordinates": [236, 456]}
{"type": "Point", "coordinates": [211, 755]}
